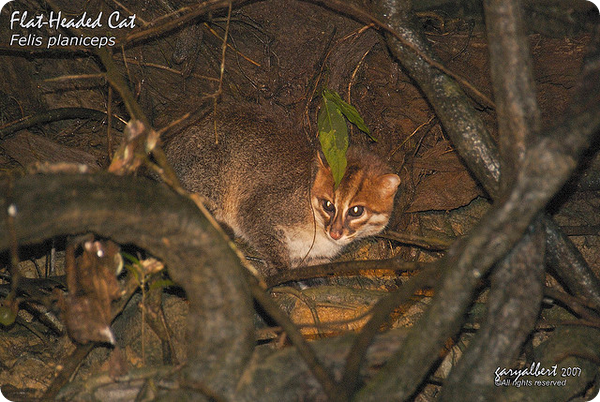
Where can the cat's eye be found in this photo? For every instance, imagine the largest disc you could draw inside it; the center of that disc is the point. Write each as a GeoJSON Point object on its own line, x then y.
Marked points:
{"type": "Point", "coordinates": [356, 211]}
{"type": "Point", "coordinates": [328, 206]}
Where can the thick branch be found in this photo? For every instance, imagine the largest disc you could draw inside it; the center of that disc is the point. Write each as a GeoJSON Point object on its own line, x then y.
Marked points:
{"type": "Point", "coordinates": [145, 213]}
{"type": "Point", "coordinates": [460, 120]}
{"type": "Point", "coordinates": [467, 132]}
{"type": "Point", "coordinates": [512, 78]}
{"type": "Point", "coordinates": [566, 261]}
{"type": "Point", "coordinates": [471, 140]}
{"type": "Point", "coordinates": [514, 304]}
{"type": "Point", "coordinates": [474, 144]}
{"type": "Point", "coordinates": [516, 283]}
{"type": "Point", "coordinates": [547, 166]}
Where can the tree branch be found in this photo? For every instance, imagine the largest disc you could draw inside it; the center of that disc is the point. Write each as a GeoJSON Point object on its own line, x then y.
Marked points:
{"type": "Point", "coordinates": [516, 283]}
{"type": "Point", "coordinates": [547, 165]}
{"type": "Point", "coordinates": [145, 213]}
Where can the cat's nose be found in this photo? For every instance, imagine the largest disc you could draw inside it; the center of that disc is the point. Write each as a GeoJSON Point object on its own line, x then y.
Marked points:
{"type": "Point", "coordinates": [336, 233]}
{"type": "Point", "coordinates": [336, 230]}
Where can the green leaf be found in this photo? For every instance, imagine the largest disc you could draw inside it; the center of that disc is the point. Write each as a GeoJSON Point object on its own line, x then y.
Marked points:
{"type": "Point", "coordinates": [132, 259]}
{"type": "Point", "coordinates": [333, 136]}
{"type": "Point", "coordinates": [349, 111]}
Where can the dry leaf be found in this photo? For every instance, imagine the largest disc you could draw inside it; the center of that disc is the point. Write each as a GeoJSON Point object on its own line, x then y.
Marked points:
{"type": "Point", "coordinates": [92, 285]}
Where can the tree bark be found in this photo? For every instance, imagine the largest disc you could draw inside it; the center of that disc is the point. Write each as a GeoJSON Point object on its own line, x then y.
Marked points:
{"type": "Point", "coordinates": [547, 164]}
{"type": "Point", "coordinates": [138, 211]}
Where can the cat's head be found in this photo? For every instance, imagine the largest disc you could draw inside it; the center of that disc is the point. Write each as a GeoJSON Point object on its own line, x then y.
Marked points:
{"type": "Point", "coordinates": [362, 204]}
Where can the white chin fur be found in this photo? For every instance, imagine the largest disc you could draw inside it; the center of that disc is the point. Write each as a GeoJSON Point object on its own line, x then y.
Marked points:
{"type": "Point", "coordinates": [306, 246]}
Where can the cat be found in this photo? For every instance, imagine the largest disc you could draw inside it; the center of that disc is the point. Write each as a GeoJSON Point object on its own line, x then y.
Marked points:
{"type": "Point", "coordinates": [262, 179]}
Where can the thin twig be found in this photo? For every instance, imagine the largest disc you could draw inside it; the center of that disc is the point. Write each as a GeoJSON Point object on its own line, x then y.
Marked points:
{"type": "Point", "coordinates": [219, 90]}
{"type": "Point", "coordinates": [52, 115]}
{"type": "Point", "coordinates": [353, 76]}
{"type": "Point", "coordinates": [248, 59]}
{"type": "Point", "coordinates": [165, 68]}
{"type": "Point", "coordinates": [178, 18]}
{"type": "Point", "coordinates": [577, 305]}
{"type": "Point", "coordinates": [344, 268]}
{"type": "Point", "coordinates": [428, 243]}
{"type": "Point", "coordinates": [75, 77]}
{"type": "Point", "coordinates": [109, 138]}
{"type": "Point", "coordinates": [366, 17]}
{"type": "Point", "coordinates": [415, 131]}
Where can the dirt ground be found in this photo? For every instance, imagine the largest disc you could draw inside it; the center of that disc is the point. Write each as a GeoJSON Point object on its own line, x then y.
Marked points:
{"type": "Point", "coordinates": [280, 54]}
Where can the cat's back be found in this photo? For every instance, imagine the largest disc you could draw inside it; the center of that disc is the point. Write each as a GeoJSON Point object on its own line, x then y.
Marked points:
{"type": "Point", "coordinates": [239, 154]}
{"type": "Point", "coordinates": [237, 143]}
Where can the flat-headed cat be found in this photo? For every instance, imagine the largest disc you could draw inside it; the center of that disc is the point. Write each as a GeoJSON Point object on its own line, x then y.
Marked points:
{"type": "Point", "coordinates": [265, 181]}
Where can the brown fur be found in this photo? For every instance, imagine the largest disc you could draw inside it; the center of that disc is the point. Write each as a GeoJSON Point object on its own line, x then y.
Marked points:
{"type": "Point", "coordinates": [265, 181]}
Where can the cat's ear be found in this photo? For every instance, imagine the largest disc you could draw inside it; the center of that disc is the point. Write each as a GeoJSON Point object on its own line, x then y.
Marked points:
{"type": "Point", "coordinates": [389, 184]}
